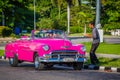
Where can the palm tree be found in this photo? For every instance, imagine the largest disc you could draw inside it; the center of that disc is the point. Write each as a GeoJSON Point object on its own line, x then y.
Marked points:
{"type": "Point", "coordinates": [59, 3]}
{"type": "Point", "coordinates": [68, 14]}
{"type": "Point", "coordinates": [69, 3]}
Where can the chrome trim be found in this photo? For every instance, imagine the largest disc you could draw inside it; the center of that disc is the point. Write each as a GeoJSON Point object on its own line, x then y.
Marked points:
{"type": "Point", "coordinates": [61, 60]}
{"type": "Point", "coordinates": [61, 57]}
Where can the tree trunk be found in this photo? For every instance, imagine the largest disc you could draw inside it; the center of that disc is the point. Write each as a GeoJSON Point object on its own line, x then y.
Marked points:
{"type": "Point", "coordinates": [68, 14]}
{"type": "Point", "coordinates": [3, 19]}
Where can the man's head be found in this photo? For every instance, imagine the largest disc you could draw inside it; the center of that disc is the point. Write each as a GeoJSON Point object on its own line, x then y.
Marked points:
{"type": "Point", "coordinates": [92, 24]}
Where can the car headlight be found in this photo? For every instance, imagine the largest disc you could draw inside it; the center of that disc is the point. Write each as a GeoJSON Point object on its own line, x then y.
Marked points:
{"type": "Point", "coordinates": [83, 48]}
{"type": "Point", "coordinates": [45, 47]}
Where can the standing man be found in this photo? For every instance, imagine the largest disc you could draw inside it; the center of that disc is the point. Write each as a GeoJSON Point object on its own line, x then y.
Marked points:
{"type": "Point", "coordinates": [95, 43]}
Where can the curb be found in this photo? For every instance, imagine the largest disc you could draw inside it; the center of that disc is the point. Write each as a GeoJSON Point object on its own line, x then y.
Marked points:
{"type": "Point", "coordinates": [5, 41]}
{"type": "Point", "coordinates": [102, 68]}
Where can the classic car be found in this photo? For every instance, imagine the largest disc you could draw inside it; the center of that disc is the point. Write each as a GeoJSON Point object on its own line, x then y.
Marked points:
{"type": "Point", "coordinates": [45, 48]}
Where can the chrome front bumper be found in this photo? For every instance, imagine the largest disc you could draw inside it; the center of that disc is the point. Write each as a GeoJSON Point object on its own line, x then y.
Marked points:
{"type": "Point", "coordinates": [62, 58]}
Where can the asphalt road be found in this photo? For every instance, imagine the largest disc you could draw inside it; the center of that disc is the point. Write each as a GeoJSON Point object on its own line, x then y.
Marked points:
{"type": "Point", "coordinates": [26, 71]}
{"type": "Point", "coordinates": [107, 40]}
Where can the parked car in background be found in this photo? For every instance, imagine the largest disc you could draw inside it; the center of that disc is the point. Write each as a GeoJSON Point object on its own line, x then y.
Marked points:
{"type": "Point", "coordinates": [46, 48]}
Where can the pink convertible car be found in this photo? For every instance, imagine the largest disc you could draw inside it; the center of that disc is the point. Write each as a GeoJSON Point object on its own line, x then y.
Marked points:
{"type": "Point", "coordinates": [45, 48]}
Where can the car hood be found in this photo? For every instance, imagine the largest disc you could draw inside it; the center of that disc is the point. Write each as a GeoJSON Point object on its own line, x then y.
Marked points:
{"type": "Point", "coordinates": [55, 43]}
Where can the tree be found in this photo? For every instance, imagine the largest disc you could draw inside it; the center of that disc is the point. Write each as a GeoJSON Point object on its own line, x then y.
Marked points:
{"type": "Point", "coordinates": [58, 3]}
{"type": "Point", "coordinates": [69, 3]}
{"type": "Point", "coordinates": [110, 14]}
{"type": "Point", "coordinates": [60, 14]}
{"type": "Point", "coordinates": [4, 4]}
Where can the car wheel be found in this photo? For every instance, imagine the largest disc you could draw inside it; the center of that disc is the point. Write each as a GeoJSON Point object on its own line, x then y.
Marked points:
{"type": "Point", "coordinates": [37, 63]}
{"type": "Point", "coordinates": [78, 66]}
{"type": "Point", "coordinates": [13, 61]}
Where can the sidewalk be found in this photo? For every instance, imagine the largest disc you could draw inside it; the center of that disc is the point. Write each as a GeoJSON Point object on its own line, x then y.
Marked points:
{"type": "Point", "coordinates": [1, 48]}
{"type": "Point", "coordinates": [105, 55]}
{"type": "Point", "coordinates": [7, 39]}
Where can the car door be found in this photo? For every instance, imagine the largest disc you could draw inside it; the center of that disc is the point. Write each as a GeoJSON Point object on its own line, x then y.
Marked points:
{"type": "Point", "coordinates": [25, 53]}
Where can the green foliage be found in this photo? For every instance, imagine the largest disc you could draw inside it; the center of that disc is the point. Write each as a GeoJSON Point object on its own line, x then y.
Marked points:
{"type": "Point", "coordinates": [112, 26]}
{"type": "Point", "coordinates": [76, 29]}
{"type": "Point", "coordinates": [59, 24]}
{"type": "Point", "coordinates": [5, 31]}
{"type": "Point", "coordinates": [45, 23]}
{"type": "Point", "coordinates": [110, 17]}
{"type": "Point", "coordinates": [88, 30]}
{"type": "Point", "coordinates": [79, 29]}
{"type": "Point", "coordinates": [53, 14]}
{"type": "Point", "coordinates": [49, 13]}
{"type": "Point", "coordinates": [1, 29]}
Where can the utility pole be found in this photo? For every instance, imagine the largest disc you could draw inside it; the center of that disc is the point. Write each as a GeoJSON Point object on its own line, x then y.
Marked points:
{"type": "Point", "coordinates": [97, 13]}
{"type": "Point", "coordinates": [97, 21]}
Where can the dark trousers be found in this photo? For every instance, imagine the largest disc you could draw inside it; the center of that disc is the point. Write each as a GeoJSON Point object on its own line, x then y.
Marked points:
{"type": "Point", "coordinates": [93, 56]}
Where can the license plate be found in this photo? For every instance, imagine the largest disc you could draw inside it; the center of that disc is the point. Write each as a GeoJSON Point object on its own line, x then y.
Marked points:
{"type": "Point", "coordinates": [68, 59]}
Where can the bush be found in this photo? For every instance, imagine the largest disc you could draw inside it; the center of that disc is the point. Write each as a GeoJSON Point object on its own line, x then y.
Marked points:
{"type": "Point", "coordinates": [59, 24]}
{"type": "Point", "coordinates": [5, 31]}
{"type": "Point", "coordinates": [76, 29]}
{"type": "Point", "coordinates": [1, 28]}
{"type": "Point", "coordinates": [88, 30]}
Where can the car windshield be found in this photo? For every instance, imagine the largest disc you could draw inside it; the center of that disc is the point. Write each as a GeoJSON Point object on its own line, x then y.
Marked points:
{"type": "Point", "coordinates": [49, 34]}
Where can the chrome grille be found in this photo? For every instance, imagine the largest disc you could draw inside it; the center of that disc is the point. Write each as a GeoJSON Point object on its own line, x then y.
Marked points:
{"type": "Point", "coordinates": [64, 54]}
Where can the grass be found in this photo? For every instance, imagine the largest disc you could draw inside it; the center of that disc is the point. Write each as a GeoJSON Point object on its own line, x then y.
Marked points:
{"type": "Point", "coordinates": [76, 34]}
{"type": "Point", "coordinates": [104, 48]}
{"type": "Point", "coordinates": [1, 52]}
{"type": "Point", "coordinates": [108, 62]}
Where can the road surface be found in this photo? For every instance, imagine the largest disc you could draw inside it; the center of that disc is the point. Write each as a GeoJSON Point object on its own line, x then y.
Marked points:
{"type": "Point", "coordinates": [26, 71]}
